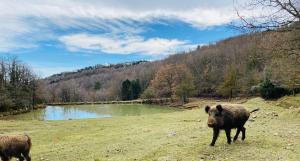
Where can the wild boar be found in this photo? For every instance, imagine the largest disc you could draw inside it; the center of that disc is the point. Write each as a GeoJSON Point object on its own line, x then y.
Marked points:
{"type": "Point", "coordinates": [15, 146]}
{"type": "Point", "coordinates": [227, 117]}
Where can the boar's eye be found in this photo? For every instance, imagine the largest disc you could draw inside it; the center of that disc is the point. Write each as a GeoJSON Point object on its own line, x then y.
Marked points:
{"type": "Point", "coordinates": [218, 114]}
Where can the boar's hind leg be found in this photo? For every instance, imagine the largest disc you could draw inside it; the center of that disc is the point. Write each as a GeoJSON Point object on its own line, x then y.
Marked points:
{"type": "Point", "coordinates": [243, 133]}
{"type": "Point", "coordinates": [227, 131]}
{"type": "Point", "coordinates": [4, 158]}
{"type": "Point", "coordinates": [27, 157]}
{"type": "Point", "coordinates": [20, 157]}
{"type": "Point", "coordinates": [215, 137]}
{"type": "Point", "coordinates": [237, 134]}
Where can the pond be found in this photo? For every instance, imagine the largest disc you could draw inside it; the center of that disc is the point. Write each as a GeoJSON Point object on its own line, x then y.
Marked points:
{"type": "Point", "coordinates": [91, 111]}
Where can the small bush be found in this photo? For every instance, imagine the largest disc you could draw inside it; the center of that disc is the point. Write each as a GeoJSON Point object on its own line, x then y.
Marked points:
{"type": "Point", "coordinates": [148, 93]}
{"type": "Point", "coordinates": [5, 103]}
{"type": "Point", "coordinates": [268, 90]}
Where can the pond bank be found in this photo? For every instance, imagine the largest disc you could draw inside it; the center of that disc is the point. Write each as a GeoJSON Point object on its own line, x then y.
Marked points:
{"type": "Point", "coordinates": [20, 111]}
{"type": "Point", "coordinates": [159, 101]}
{"type": "Point", "coordinates": [92, 111]}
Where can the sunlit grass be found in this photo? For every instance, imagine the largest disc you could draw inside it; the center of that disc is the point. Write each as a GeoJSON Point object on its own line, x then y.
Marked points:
{"type": "Point", "coordinates": [181, 135]}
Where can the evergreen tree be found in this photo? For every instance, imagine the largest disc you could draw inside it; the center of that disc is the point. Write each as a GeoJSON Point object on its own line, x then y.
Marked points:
{"type": "Point", "coordinates": [97, 86]}
{"type": "Point", "coordinates": [136, 88]}
{"type": "Point", "coordinates": [126, 91]}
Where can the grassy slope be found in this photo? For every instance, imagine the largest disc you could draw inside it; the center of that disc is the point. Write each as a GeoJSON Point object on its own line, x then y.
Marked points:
{"type": "Point", "coordinates": [173, 136]}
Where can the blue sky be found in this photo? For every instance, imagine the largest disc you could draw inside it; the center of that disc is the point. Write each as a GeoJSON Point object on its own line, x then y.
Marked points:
{"type": "Point", "coordinates": [56, 36]}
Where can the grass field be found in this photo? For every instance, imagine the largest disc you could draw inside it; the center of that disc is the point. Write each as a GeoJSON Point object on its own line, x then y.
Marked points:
{"type": "Point", "coordinates": [272, 134]}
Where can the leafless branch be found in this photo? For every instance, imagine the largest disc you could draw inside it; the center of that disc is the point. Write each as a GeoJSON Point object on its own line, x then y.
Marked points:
{"type": "Point", "coordinates": [284, 14]}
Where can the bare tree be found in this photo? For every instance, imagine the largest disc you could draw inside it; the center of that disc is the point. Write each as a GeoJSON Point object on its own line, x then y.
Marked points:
{"type": "Point", "coordinates": [173, 81]}
{"type": "Point", "coordinates": [17, 85]}
{"type": "Point", "coordinates": [273, 14]}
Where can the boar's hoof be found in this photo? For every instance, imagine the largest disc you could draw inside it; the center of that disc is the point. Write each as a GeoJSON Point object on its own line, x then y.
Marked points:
{"type": "Point", "coordinates": [235, 138]}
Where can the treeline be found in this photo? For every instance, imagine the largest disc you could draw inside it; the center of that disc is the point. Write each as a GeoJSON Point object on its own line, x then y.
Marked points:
{"type": "Point", "coordinates": [91, 70]}
{"type": "Point", "coordinates": [18, 86]}
{"type": "Point", "coordinates": [247, 65]}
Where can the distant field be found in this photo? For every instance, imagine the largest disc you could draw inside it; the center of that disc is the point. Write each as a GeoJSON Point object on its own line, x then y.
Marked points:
{"type": "Point", "coordinates": [272, 134]}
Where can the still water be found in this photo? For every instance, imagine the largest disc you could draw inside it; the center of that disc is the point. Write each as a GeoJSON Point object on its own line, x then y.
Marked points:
{"type": "Point", "coordinates": [92, 111]}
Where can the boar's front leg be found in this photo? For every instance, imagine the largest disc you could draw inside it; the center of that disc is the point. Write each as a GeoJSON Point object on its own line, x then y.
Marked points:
{"type": "Point", "coordinates": [237, 134]}
{"type": "Point", "coordinates": [215, 137]}
{"type": "Point", "coordinates": [243, 133]}
{"type": "Point", "coordinates": [227, 131]}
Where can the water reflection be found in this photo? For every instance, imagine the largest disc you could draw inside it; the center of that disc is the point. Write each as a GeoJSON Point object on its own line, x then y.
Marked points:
{"type": "Point", "coordinates": [65, 113]}
{"type": "Point", "coordinates": [91, 111]}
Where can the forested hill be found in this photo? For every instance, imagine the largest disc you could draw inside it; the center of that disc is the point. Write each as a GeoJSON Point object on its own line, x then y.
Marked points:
{"type": "Point", "coordinates": [91, 70]}
{"type": "Point", "coordinates": [229, 68]}
{"type": "Point", "coordinates": [97, 82]}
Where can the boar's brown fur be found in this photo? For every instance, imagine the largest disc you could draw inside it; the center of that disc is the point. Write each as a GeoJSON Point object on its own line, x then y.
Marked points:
{"type": "Point", "coordinates": [15, 146]}
{"type": "Point", "coordinates": [227, 117]}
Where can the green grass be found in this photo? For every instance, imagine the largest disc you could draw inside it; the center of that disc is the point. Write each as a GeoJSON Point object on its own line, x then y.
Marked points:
{"type": "Point", "coordinates": [181, 135]}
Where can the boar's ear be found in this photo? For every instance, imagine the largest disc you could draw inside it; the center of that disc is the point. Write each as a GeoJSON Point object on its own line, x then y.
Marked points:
{"type": "Point", "coordinates": [207, 108]}
{"type": "Point", "coordinates": [220, 108]}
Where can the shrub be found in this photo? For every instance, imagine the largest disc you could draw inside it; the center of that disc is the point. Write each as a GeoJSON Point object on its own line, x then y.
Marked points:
{"type": "Point", "coordinates": [148, 93]}
{"type": "Point", "coordinates": [268, 90]}
{"type": "Point", "coordinates": [5, 103]}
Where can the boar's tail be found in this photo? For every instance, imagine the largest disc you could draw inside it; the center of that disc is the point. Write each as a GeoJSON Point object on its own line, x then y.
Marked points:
{"type": "Point", "coordinates": [257, 109]}
{"type": "Point", "coordinates": [29, 141]}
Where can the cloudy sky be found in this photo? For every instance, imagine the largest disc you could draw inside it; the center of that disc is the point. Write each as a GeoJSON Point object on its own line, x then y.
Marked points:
{"type": "Point", "coordinates": [53, 36]}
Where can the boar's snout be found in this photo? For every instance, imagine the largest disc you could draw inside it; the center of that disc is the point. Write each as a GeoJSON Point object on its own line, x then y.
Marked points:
{"type": "Point", "coordinates": [211, 122]}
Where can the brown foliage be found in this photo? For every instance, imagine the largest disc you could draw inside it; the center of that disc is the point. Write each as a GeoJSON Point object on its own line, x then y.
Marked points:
{"type": "Point", "coordinates": [173, 80]}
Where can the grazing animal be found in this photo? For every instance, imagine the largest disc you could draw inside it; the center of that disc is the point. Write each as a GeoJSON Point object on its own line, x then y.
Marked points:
{"type": "Point", "coordinates": [225, 117]}
{"type": "Point", "coordinates": [15, 146]}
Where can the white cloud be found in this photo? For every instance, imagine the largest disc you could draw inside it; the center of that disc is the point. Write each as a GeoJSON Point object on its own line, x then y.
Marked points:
{"type": "Point", "coordinates": [197, 12]}
{"type": "Point", "coordinates": [24, 23]}
{"type": "Point", "coordinates": [124, 44]}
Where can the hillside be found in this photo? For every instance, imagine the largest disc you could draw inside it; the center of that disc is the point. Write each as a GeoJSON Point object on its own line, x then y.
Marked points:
{"type": "Point", "coordinates": [108, 78]}
{"type": "Point", "coordinates": [230, 67]}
